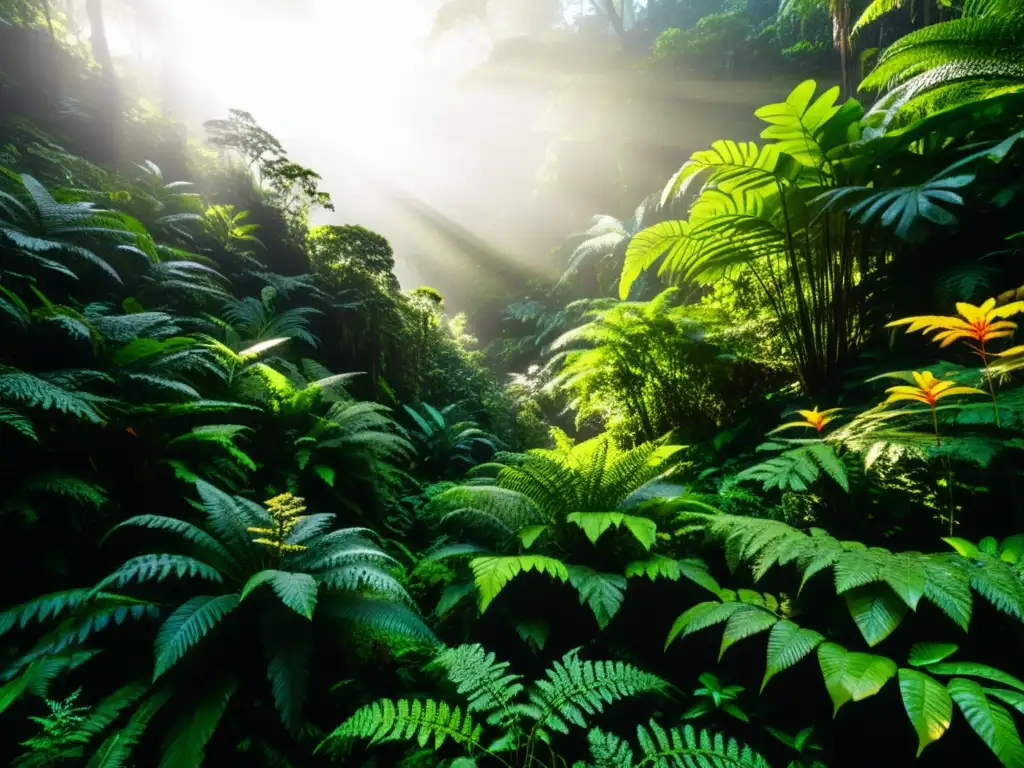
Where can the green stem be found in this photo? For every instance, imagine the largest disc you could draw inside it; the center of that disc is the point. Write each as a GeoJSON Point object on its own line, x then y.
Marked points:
{"type": "Point", "coordinates": [949, 469]}
{"type": "Point", "coordinates": [991, 386]}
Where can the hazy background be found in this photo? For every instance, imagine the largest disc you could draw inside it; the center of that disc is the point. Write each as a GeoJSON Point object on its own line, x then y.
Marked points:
{"type": "Point", "coordinates": [472, 174]}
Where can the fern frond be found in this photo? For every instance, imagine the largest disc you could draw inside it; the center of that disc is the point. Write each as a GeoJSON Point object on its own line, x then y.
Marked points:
{"type": "Point", "coordinates": [686, 746]}
{"type": "Point", "coordinates": [189, 532]}
{"type": "Point", "coordinates": [574, 688]}
{"type": "Point", "coordinates": [428, 721]}
{"type": "Point", "coordinates": [187, 625]}
{"type": "Point", "coordinates": [159, 567]}
{"type": "Point", "coordinates": [387, 619]}
{"type": "Point", "coordinates": [47, 394]}
{"type": "Point", "coordinates": [42, 608]}
{"type": "Point", "coordinates": [18, 422]}
{"type": "Point", "coordinates": [482, 679]}
{"type": "Point", "coordinates": [492, 574]}
{"type": "Point", "coordinates": [601, 592]}
{"type": "Point", "coordinates": [187, 741]}
{"type": "Point", "coordinates": [116, 750]}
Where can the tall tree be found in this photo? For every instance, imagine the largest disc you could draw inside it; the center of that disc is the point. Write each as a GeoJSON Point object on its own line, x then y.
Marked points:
{"type": "Point", "coordinates": [112, 101]}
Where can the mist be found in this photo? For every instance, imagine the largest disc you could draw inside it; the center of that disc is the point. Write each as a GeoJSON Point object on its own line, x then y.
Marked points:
{"type": "Point", "coordinates": [421, 137]}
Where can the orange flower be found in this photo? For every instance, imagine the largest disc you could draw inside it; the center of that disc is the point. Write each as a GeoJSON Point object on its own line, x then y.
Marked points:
{"type": "Point", "coordinates": [929, 390]}
{"type": "Point", "coordinates": [981, 324]}
{"type": "Point", "coordinates": [815, 419]}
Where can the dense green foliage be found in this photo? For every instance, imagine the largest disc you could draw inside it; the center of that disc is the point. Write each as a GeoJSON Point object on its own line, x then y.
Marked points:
{"type": "Point", "coordinates": [262, 506]}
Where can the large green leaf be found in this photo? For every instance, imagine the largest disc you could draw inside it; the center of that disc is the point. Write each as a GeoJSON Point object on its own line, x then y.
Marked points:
{"type": "Point", "coordinates": [974, 669]}
{"type": "Point", "coordinates": [922, 654]}
{"type": "Point", "coordinates": [746, 621]}
{"type": "Point", "coordinates": [852, 676]}
{"type": "Point", "coordinates": [594, 524]}
{"type": "Point", "coordinates": [928, 706]}
{"type": "Point", "coordinates": [788, 643]}
{"type": "Point", "coordinates": [877, 610]}
{"type": "Point", "coordinates": [906, 577]}
{"type": "Point", "coordinates": [187, 740]}
{"type": "Point", "coordinates": [649, 245]}
{"type": "Point", "coordinates": [602, 592]}
{"type": "Point", "coordinates": [295, 590]}
{"type": "Point", "coordinates": [700, 616]}
{"type": "Point", "coordinates": [491, 574]}
{"type": "Point", "coordinates": [660, 566]}
{"type": "Point", "coordinates": [989, 720]}
{"type": "Point", "coordinates": [187, 625]}
{"type": "Point", "coordinates": [795, 123]}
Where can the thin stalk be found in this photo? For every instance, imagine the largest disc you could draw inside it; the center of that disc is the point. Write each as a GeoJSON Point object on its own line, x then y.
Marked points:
{"type": "Point", "coordinates": [991, 386]}
{"type": "Point", "coordinates": [949, 469]}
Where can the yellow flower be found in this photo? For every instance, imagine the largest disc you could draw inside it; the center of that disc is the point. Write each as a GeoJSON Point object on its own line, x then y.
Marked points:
{"type": "Point", "coordinates": [929, 390]}
{"type": "Point", "coordinates": [981, 324]}
{"type": "Point", "coordinates": [815, 419]}
{"type": "Point", "coordinates": [286, 510]}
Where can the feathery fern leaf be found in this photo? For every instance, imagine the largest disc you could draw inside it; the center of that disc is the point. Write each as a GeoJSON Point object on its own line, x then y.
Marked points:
{"type": "Point", "coordinates": [482, 679]}
{"type": "Point", "coordinates": [159, 567]}
{"type": "Point", "coordinates": [573, 687]}
{"type": "Point", "coordinates": [186, 744]}
{"type": "Point", "coordinates": [491, 574]}
{"type": "Point", "coordinates": [601, 592]}
{"type": "Point", "coordinates": [686, 746]}
{"type": "Point", "coordinates": [295, 590]}
{"type": "Point", "coordinates": [189, 624]}
{"type": "Point", "coordinates": [428, 721]}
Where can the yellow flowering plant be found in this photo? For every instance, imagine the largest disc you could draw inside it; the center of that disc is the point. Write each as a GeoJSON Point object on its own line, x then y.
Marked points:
{"type": "Point", "coordinates": [813, 419]}
{"type": "Point", "coordinates": [976, 326]}
{"type": "Point", "coordinates": [930, 390]}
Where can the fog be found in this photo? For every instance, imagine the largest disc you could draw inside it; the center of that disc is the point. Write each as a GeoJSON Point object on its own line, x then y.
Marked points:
{"type": "Point", "coordinates": [409, 142]}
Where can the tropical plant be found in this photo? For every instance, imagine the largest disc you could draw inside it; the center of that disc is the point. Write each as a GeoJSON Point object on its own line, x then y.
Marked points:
{"type": "Point", "coordinates": [647, 368]}
{"type": "Point", "coordinates": [514, 725]}
{"type": "Point", "coordinates": [257, 320]}
{"type": "Point", "coordinates": [262, 565]}
{"type": "Point", "coordinates": [602, 247]}
{"type": "Point", "coordinates": [712, 696]}
{"type": "Point", "coordinates": [546, 511]}
{"type": "Point", "coordinates": [444, 443]}
{"type": "Point", "coordinates": [753, 215]}
{"type": "Point", "coordinates": [950, 64]}
{"type": "Point", "coordinates": [978, 324]}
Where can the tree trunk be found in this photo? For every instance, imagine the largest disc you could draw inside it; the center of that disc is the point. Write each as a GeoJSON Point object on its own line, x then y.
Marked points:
{"type": "Point", "coordinates": [607, 8]}
{"type": "Point", "coordinates": [841, 36]}
{"type": "Point", "coordinates": [49, 18]}
{"type": "Point", "coordinates": [109, 142]}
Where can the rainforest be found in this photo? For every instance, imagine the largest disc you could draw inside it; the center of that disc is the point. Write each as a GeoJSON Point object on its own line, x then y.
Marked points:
{"type": "Point", "coordinates": [511, 383]}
